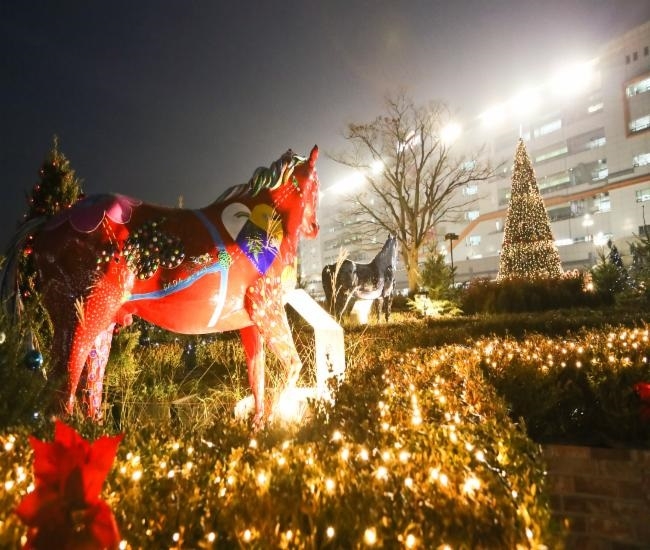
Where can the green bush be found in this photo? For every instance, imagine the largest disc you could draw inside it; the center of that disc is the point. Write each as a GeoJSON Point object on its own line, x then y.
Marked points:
{"type": "Point", "coordinates": [578, 389]}
{"type": "Point", "coordinates": [523, 295]}
{"type": "Point", "coordinates": [468, 397]}
{"type": "Point", "coordinates": [416, 450]}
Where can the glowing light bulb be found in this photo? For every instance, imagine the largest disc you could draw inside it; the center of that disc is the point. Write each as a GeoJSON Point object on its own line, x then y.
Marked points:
{"type": "Point", "coordinates": [370, 536]}
{"type": "Point", "coordinates": [330, 484]}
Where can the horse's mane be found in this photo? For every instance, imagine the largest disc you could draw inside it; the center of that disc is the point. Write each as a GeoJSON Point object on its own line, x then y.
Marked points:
{"type": "Point", "coordinates": [265, 178]}
{"type": "Point", "coordinates": [276, 174]}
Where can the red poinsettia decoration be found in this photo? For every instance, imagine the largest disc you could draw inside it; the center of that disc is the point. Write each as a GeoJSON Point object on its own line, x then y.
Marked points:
{"type": "Point", "coordinates": [642, 389]}
{"type": "Point", "coordinates": [65, 509]}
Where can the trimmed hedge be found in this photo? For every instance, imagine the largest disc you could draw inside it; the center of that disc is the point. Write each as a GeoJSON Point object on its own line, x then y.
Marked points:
{"type": "Point", "coordinates": [523, 295]}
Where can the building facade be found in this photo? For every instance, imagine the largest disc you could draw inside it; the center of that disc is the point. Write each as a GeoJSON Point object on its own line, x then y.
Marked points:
{"type": "Point", "coordinates": [587, 132]}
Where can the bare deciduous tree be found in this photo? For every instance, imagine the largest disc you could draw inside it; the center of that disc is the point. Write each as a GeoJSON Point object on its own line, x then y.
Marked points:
{"type": "Point", "coordinates": [412, 183]}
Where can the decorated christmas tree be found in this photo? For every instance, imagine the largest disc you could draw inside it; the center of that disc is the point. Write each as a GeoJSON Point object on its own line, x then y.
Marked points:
{"type": "Point", "coordinates": [57, 188]}
{"type": "Point", "coordinates": [528, 250]}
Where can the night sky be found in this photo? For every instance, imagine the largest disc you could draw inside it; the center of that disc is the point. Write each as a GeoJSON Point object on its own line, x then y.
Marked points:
{"type": "Point", "coordinates": [158, 99]}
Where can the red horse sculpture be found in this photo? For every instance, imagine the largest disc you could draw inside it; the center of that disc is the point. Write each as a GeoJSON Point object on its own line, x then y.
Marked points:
{"type": "Point", "coordinates": [219, 268]}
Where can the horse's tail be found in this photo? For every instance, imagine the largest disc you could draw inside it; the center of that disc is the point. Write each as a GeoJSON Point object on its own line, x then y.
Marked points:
{"type": "Point", "coordinates": [9, 292]}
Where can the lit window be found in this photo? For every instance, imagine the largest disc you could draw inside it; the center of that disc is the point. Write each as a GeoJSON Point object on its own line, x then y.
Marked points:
{"type": "Point", "coordinates": [642, 123]}
{"type": "Point", "coordinates": [643, 195]}
{"type": "Point", "coordinates": [548, 128]}
{"type": "Point", "coordinates": [638, 87]}
{"type": "Point", "coordinates": [595, 107]}
{"type": "Point", "coordinates": [599, 174]}
{"type": "Point", "coordinates": [473, 240]}
{"type": "Point", "coordinates": [554, 180]}
{"type": "Point", "coordinates": [641, 160]}
{"type": "Point", "coordinates": [563, 150]}
{"type": "Point", "coordinates": [564, 242]}
{"type": "Point", "coordinates": [470, 189]}
{"type": "Point", "coordinates": [597, 142]}
{"type": "Point", "coordinates": [472, 215]}
{"type": "Point", "coordinates": [602, 203]}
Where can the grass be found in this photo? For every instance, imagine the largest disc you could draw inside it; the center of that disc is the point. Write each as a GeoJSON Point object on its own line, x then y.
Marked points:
{"type": "Point", "coordinates": [431, 441]}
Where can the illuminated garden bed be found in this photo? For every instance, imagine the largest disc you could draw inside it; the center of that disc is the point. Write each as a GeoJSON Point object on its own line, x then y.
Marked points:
{"type": "Point", "coordinates": [425, 447]}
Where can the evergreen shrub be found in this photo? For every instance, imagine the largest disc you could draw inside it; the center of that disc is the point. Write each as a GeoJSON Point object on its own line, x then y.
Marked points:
{"type": "Point", "coordinates": [522, 295]}
{"type": "Point", "coordinates": [416, 451]}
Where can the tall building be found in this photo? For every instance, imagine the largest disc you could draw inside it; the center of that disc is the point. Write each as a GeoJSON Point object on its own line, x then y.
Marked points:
{"type": "Point", "coordinates": [587, 132]}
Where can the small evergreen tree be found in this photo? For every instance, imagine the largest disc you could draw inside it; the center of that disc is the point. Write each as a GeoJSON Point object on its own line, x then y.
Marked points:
{"type": "Point", "coordinates": [437, 276]}
{"type": "Point", "coordinates": [616, 260]}
{"type": "Point", "coordinates": [58, 188]}
{"type": "Point", "coordinates": [640, 268]}
{"type": "Point", "coordinates": [606, 276]}
{"type": "Point", "coordinates": [529, 250]}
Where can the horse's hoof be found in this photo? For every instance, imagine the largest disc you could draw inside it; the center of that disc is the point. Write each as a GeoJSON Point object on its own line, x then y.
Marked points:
{"type": "Point", "coordinates": [257, 422]}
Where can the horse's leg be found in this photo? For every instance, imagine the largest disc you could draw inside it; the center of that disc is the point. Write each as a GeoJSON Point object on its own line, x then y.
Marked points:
{"type": "Point", "coordinates": [93, 316]}
{"type": "Point", "coordinates": [255, 361]}
{"type": "Point", "coordinates": [265, 306]}
{"type": "Point", "coordinates": [95, 367]}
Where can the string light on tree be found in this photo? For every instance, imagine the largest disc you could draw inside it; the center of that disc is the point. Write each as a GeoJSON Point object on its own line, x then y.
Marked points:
{"type": "Point", "coordinates": [528, 250]}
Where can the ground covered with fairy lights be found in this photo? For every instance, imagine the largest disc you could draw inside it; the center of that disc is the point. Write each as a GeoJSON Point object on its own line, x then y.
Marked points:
{"type": "Point", "coordinates": [419, 450]}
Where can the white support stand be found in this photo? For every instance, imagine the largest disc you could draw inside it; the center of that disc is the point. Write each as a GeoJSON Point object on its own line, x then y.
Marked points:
{"type": "Point", "coordinates": [329, 358]}
{"type": "Point", "coordinates": [361, 311]}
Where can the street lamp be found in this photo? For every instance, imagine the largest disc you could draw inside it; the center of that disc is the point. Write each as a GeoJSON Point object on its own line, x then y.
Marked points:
{"type": "Point", "coordinates": [451, 237]}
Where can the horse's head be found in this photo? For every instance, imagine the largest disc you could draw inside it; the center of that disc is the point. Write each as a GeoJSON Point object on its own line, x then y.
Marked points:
{"type": "Point", "coordinates": [388, 253]}
{"type": "Point", "coordinates": [293, 186]}
{"type": "Point", "coordinates": [307, 185]}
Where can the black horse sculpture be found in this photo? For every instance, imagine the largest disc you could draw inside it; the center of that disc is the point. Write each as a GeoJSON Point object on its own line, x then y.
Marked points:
{"type": "Point", "coordinates": [347, 281]}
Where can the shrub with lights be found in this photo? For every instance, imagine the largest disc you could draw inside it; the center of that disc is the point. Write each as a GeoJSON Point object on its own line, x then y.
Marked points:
{"type": "Point", "coordinates": [425, 445]}
{"type": "Point", "coordinates": [416, 452]}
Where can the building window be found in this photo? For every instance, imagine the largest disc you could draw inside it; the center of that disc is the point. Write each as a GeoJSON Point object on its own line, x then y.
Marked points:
{"type": "Point", "coordinates": [554, 181]}
{"type": "Point", "coordinates": [641, 160]}
{"type": "Point", "coordinates": [561, 213]}
{"type": "Point", "coordinates": [645, 50]}
{"type": "Point", "coordinates": [597, 142]}
{"type": "Point", "coordinates": [471, 215]}
{"type": "Point", "coordinates": [595, 107]}
{"type": "Point", "coordinates": [548, 128]}
{"type": "Point", "coordinates": [638, 87]}
{"type": "Point", "coordinates": [635, 56]}
{"type": "Point", "coordinates": [627, 59]}
{"type": "Point", "coordinates": [558, 151]}
{"type": "Point", "coordinates": [640, 124]}
{"type": "Point", "coordinates": [473, 240]}
{"type": "Point", "coordinates": [470, 189]}
{"type": "Point", "coordinates": [602, 203]}
{"type": "Point", "coordinates": [643, 195]}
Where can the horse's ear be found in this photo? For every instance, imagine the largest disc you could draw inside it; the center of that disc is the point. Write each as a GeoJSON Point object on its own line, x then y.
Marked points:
{"type": "Point", "coordinates": [313, 156]}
